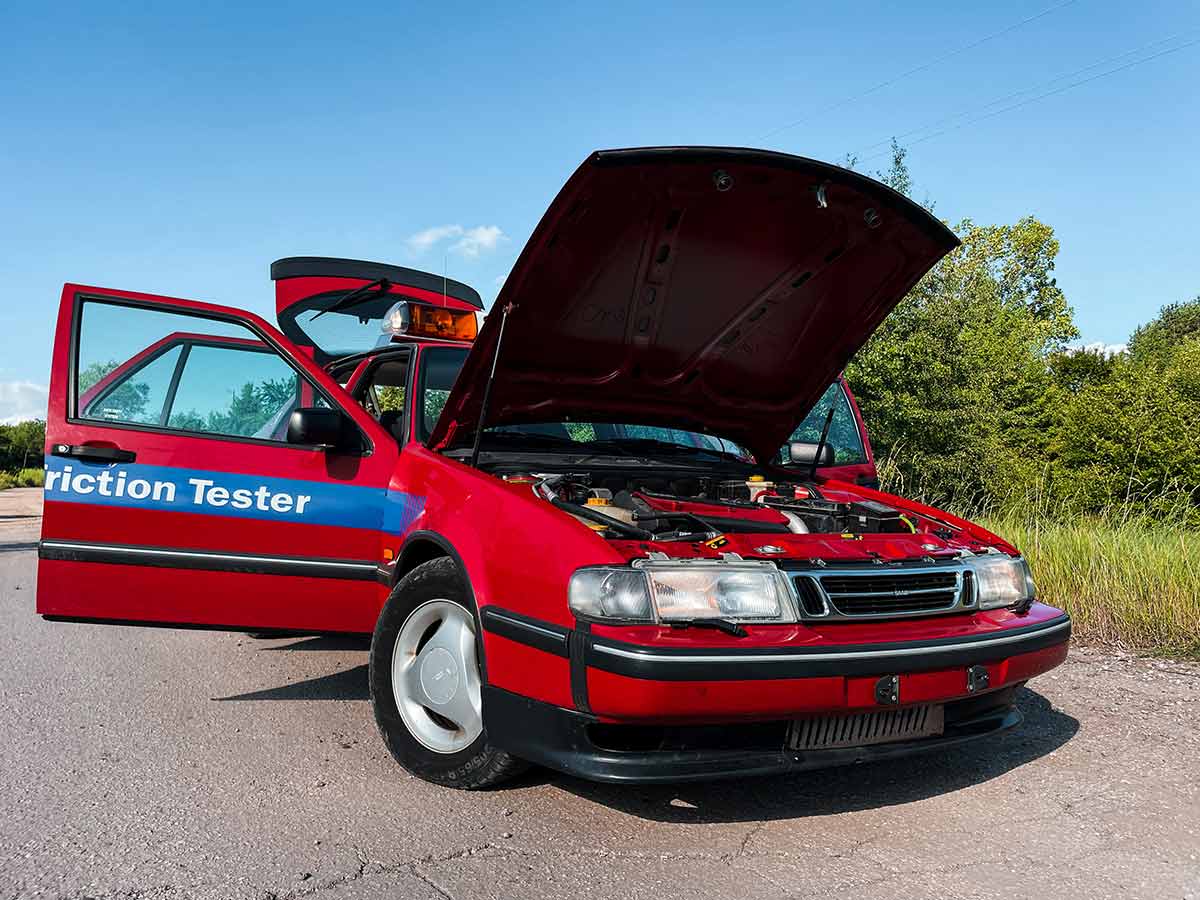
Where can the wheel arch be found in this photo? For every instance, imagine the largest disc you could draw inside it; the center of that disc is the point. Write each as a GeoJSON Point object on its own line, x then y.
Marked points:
{"type": "Point", "coordinates": [424, 546]}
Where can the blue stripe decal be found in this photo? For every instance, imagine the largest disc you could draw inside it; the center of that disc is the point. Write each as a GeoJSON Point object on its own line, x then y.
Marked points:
{"type": "Point", "coordinates": [230, 494]}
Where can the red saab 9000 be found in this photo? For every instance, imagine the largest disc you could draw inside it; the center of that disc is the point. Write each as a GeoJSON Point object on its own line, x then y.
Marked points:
{"type": "Point", "coordinates": [573, 536]}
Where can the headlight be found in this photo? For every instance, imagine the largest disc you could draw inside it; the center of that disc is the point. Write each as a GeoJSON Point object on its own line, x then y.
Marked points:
{"type": "Point", "coordinates": [745, 591]}
{"type": "Point", "coordinates": [1000, 580]}
{"type": "Point", "coordinates": [611, 593]}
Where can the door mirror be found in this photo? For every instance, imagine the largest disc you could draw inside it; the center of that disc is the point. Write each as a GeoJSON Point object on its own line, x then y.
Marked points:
{"type": "Point", "coordinates": [802, 453]}
{"type": "Point", "coordinates": [320, 426]}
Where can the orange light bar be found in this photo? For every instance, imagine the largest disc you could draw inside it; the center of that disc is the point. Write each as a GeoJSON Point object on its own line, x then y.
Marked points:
{"type": "Point", "coordinates": [432, 321]}
{"type": "Point", "coordinates": [421, 320]}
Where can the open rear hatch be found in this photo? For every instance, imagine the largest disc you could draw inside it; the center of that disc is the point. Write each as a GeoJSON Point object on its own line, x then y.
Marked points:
{"type": "Point", "coordinates": [714, 289]}
{"type": "Point", "coordinates": [307, 287]}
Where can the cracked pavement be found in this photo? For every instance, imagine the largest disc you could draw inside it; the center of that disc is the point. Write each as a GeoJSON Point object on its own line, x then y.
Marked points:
{"type": "Point", "coordinates": [149, 764]}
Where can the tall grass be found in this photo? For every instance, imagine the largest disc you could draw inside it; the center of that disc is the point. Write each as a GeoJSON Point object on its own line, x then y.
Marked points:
{"type": "Point", "coordinates": [1128, 574]}
{"type": "Point", "coordinates": [1128, 582]}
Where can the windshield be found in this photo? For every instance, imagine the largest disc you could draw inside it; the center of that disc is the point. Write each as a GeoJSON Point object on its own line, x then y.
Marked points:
{"type": "Point", "coordinates": [440, 367]}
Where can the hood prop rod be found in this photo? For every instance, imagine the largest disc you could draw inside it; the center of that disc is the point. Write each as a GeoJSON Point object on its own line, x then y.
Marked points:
{"type": "Point", "coordinates": [812, 474]}
{"type": "Point", "coordinates": [487, 388]}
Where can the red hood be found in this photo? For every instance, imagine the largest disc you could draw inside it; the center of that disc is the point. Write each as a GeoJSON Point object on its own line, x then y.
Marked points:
{"type": "Point", "coordinates": [715, 289]}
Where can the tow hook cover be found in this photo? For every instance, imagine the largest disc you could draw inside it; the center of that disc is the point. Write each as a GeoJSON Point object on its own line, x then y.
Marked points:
{"type": "Point", "coordinates": [977, 679]}
{"type": "Point", "coordinates": [887, 690]}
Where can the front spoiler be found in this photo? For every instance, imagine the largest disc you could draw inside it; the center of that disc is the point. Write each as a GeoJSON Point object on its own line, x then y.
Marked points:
{"type": "Point", "coordinates": [559, 739]}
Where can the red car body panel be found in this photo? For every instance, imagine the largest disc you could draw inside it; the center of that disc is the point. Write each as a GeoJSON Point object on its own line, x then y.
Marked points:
{"type": "Point", "coordinates": [617, 698]}
{"type": "Point", "coordinates": [376, 514]}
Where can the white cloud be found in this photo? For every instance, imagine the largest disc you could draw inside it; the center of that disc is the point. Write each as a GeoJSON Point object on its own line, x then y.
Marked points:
{"type": "Point", "coordinates": [1100, 348]}
{"type": "Point", "coordinates": [465, 242]}
{"type": "Point", "coordinates": [480, 239]}
{"type": "Point", "coordinates": [21, 400]}
{"type": "Point", "coordinates": [423, 241]}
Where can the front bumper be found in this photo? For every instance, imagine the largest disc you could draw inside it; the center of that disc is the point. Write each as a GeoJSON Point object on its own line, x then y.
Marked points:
{"type": "Point", "coordinates": [578, 744]}
{"type": "Point", "coordinates": [671, 711]}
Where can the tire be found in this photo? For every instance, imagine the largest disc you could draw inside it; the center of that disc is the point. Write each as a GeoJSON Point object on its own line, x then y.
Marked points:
{"type": "Point", "coordinates": [426, 640]}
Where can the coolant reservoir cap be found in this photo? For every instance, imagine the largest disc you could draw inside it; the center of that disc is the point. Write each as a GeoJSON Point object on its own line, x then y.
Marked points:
{"type": "Point", "coordinates": [757, 478]}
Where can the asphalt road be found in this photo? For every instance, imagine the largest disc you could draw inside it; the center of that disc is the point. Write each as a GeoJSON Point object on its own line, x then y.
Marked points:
{"type": "Point", "coordinates": [143, 763]}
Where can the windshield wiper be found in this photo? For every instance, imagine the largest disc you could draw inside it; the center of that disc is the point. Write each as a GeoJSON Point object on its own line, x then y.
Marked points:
{"type": "Point", "coordinates": [728, 626]}
{"type": "Point", "coordinates": [367, 292]}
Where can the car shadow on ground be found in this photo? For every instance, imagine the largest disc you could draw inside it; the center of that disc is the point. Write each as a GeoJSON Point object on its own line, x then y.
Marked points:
{"type": "Point", "coordinates": [329, 642]}
{"type": "Point", "coordinates": [831, 791]}
{"type": "Point", "coordinates": [350, 684]}
{"type": "Point", "coordinates": [812, 793]}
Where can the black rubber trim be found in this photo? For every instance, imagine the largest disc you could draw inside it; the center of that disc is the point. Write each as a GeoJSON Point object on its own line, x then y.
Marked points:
{"type": "Point", "coordinates": [559, 739]}
{"type": "Point", "coordinates": [579, 683]}
{"type": "Point", "coordinates": [208, 560]}
{"type": "Point", "coordinates": [332, 267]}
{"type": "Point", "coordinates": [749, 664]}
{"type": "Point", "coordinates": [525, 630]}
{"type": "Point", "coordinates": [195, 626]}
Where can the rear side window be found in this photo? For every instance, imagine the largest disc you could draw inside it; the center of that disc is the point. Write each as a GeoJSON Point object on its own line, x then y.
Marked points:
{"type": "Point", "coordinates": [143, 366]}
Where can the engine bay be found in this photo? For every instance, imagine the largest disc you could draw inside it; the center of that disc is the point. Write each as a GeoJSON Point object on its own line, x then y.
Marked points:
{"type": "Point", "coordinates": [665, 506]}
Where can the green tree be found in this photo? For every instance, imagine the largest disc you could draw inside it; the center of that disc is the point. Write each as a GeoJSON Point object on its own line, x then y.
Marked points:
{"type": "Point", "coordinates": [391, 398]}
{"type": "Point", "coordinates": [27, 441]}
{"type": "Point", "coordinates": [126, 402]}
{"type": "Point", "coordinates": [1130, 440]}
{"type": "Point", "coordinates": [953, 385]}
{"type": "Point", "coordinates": [1158, 340]}
{"type": "Point", "coordinates": [21, 443]}
{"type": "Point", "coordinates": [250, 408]}
{"type": "Point", "coordinates": [956, 385]}
{"type": "Point", "coordinates": [1074, 369]}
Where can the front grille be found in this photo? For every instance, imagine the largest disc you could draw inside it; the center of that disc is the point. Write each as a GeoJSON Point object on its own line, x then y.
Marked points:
{"type": "Point", "coordinates": [861, 729]}
{"type": "Point", "coordinates": [872, 593]}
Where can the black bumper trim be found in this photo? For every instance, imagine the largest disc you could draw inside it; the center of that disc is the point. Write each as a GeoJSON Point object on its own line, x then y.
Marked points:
{"type": "Point", "coordinates": [749, 664]}
{"type": "Point", "coordinates": [656, 664]}
{"type": "Point", "coordinates": [558, 739]}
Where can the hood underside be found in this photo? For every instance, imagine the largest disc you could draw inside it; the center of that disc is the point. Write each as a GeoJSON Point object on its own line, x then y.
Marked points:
{"type": "Point", "coordinates": [714, 289]}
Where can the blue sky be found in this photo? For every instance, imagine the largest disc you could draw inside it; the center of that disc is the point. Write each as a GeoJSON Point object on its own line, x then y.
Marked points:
{"type": "Point", "coordinates": [179, 150]}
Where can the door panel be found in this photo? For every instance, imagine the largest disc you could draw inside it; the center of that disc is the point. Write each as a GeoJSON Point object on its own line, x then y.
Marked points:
{"type": "Point", "coordinates": [215, 520]}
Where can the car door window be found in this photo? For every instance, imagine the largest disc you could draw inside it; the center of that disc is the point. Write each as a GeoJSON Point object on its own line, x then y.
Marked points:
{"type": "Point", "coordinates": [137, 395]}
{"type": "Point", "coordinates": [145, 366]}
{"type": "Point", "coordinates": [844, 437]}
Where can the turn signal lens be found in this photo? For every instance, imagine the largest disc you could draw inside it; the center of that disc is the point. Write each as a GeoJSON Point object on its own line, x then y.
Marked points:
{"type": "Point", "coordinates": [616, 593]}
{"type": "Point", "coordinates": [1001, 580]}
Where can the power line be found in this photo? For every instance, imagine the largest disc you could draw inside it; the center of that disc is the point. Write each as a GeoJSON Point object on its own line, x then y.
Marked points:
{"type": "Point", "coordinates": [1042, 96]}
{"type": "Point", "coordinates": [921, 68]}
{"type": "Point", "coordinates": [1057, 78]}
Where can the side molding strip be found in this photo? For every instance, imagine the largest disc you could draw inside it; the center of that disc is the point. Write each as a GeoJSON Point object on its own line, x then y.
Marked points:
{"type": "Point", "coordinates": [525, 630]}
{"type": "Point", "coordinates": [208, 560]}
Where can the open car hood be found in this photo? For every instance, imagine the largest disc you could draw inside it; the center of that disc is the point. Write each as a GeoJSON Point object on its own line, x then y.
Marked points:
{"type": "Point", "coordinates": [719, 290]}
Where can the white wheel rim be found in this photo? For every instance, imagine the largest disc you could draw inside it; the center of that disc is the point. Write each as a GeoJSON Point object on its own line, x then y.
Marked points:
{"type": "Point", "coordinates": [435, 676]}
